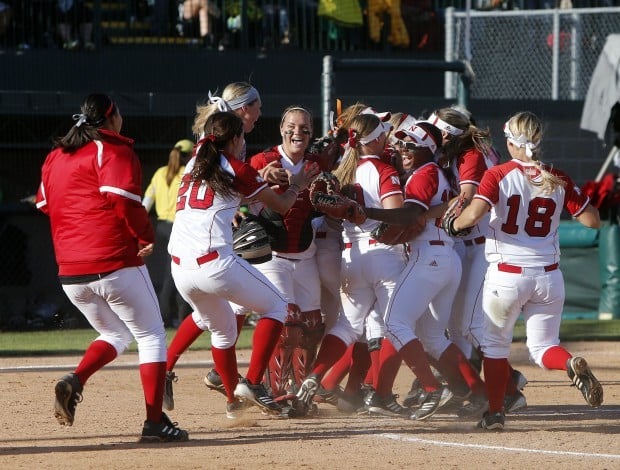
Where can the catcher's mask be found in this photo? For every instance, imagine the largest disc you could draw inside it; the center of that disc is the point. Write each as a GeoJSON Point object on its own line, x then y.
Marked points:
{"type": "Point", "coordinates": [251, 242]}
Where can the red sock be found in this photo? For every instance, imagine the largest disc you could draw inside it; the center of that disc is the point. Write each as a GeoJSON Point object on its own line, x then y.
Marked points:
{"type": "Point", "coordinates": [455, 361]}
{"type": "Point", "coordinates": [338, 371]}
{"type": "Point", "coordinates": [555, 358]}
{"type": "Point", "coordinates": [360, 367]}
{"type": "Point", "coordinates": [332, 349]}
{"type": "Point", "coordinates": [388, 369]}
{"type": "Point", "coordinates": [153, 376]}
{"type": "Point", "coordinates": [186, 334]}
{"type": "Point", "coordinates": [264, 341]}
{"type": "Point", "coordinates": [375, 364]}
{"type": "Point", "coordinates": [226, 365]}
{"type": "Point", "coordinates": [98, 354]}
{"type": "Point", "coordinates": [496, 378]}
{"type": "Point", "coordinates": [414, 356]}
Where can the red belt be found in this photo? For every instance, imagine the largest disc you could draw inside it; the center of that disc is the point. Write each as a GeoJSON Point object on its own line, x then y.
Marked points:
{"type": "Point", "coordinates": [475, 241]}
{"type": "Point", "coordinates": [202, 260]}
{"type": "Point", "coordinates": [509, 268]}
{"type": "Point", "coordinates": [436, 242]}
{"type": "Point", "coordinates": [371, 241]}
{"type": "Point", "coordinates": [321, 234]}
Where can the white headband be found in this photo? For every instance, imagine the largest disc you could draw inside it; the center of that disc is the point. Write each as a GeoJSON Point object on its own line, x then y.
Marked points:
{"type": "Point", "coordinates": [236, 103]}
{"type": "Point", "coordinates": [520, 141]}
{"type": "Point", "coordinates": [421, 138]}
{"type": "Point", "coordinates": [407, 123]}
{"type": "Point", "coordinates": [380, 129]}
{"type": "Point", "coordinates": [385, 116]}
{"type": "Point", "coordinates": [443, 125]}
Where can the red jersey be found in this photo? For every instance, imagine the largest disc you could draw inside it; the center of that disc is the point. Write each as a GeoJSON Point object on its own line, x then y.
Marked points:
{"type": "Point", "coordinates": [297, 219]}
{"type": "Point", "coordinates": [93, 199]}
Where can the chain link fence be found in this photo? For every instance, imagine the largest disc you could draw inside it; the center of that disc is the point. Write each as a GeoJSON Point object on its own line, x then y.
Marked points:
{"type": "Point", "coordinates": [534, 54]}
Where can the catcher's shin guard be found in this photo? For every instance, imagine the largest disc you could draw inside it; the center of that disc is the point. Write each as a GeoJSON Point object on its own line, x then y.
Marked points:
{"type": "Point", "coordinates": [305, 354]}
{"type": "Point", "coordinates": [279, 374]}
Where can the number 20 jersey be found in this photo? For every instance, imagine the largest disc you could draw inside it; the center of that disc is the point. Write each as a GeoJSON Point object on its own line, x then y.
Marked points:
{"type": "Point", "coordinates": [524, 222]}
{"type": "Point", "coordinates": [203, 221]}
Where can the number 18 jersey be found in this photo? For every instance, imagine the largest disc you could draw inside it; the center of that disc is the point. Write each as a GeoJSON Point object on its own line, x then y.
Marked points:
{"type": "Point", "coordinates": [524, 221]}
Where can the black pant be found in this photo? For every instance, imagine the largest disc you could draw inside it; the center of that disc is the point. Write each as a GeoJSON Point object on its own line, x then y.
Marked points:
{"type": "Point", "coordinates": [173, 308]}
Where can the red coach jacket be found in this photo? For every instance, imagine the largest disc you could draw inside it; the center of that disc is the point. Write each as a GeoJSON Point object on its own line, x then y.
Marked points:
{"type": "Point", "coordinates": [92, 197]}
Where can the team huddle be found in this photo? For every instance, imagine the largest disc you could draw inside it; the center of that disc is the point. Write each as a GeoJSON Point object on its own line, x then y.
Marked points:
{"type": "Point", "coordinates": [391, 240]}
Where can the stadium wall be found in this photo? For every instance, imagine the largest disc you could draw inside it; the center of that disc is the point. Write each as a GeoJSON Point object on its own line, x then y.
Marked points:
{"type": "Point", "coordinates": [157, 90]}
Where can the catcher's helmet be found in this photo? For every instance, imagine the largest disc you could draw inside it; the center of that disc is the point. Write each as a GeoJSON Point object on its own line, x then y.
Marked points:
{"type": "Point", "coordinates": [250, 242]}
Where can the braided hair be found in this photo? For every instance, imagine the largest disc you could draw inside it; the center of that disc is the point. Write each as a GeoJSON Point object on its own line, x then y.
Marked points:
{"type": "Point", "coordinates": [95, 111]}
{"type": "Point", "coordinates": [219, 130]}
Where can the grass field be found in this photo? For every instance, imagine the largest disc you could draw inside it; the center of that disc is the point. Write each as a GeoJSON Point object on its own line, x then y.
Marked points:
{"type": "Point", "coordinates": [62, 342]}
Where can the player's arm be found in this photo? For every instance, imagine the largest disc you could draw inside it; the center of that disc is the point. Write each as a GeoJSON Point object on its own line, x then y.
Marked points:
{"type": "Point", "coordinates": [590, 217]}
{"type": "Point", "coordinates": [406, 215]}
{"type": "Point", "coordinates": [41, 200]}
{"type": "Point", "coordinates": [149, 196]}
{"type": "Point", "coordinates": [281, 203]}
{"type": "Point", "coordinates": [471, 215]}
{"type": "Point", "coordinates": [120, 181]}
{"type": "Point", "coordinates": [135, 217]}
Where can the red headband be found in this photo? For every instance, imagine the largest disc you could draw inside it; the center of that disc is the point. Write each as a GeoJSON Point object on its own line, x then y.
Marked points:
{"type": "Point", "coordinates": [110, 109]}
{"type": "Point", "coordinates": [352, 138]}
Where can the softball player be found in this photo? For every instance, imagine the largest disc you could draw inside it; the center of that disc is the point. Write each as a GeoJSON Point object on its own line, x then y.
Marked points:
{"type": "Point", "coordinates": [206, 270]}
{"type": "Point", "coordinates": [422, 301]}
{"type": "Point", "coordinates": [526, 198]}
{"type": "Point", "coordinates": [469, 155]}
{"type": "Point", "coordinates": [90, 188]}
{"type": "Point", "coordinates": [293, 268]}
{"type": "Point", "coordinates": [369, 269]}
{"type": "Point", "coordinates": [244, 100]}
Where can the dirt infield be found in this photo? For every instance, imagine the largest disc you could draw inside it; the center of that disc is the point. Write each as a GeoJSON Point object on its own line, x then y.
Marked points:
{"type": "Point", "coordinates": [557, 430]}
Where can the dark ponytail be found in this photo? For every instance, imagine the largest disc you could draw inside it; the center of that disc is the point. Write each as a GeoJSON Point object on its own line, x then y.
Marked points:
{"type": "Point", "coordinates": [95, 110]}
{"type": "Point", "coordinates": [219, 130]}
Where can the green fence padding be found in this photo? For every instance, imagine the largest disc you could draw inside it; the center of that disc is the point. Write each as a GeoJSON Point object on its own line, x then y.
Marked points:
{"type": "Point", "coordinates": [580, 268]}
{"type": "Point", "coordinates": [574, 235]}
{"type": "Point", "coordinates": [609, 261]}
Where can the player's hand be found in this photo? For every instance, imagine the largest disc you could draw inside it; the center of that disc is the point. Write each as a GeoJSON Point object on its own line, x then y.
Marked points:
{"type": "Point", "coordinates": [273, 173]}
{"type": "Point", "coordinates": [145, 250]}
{"type": "Point", "coordinates": [306, 175]}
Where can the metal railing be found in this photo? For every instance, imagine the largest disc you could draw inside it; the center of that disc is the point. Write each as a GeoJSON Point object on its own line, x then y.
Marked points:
{"type": "Point", "coordinates": [530, 54]}
{"type": "Point", "coordinates": [240, 24]}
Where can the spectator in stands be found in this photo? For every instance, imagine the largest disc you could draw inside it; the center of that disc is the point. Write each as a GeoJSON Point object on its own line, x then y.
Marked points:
{"type": "Point", "coordinates": [74, 24]}
{"type": "Point", "coordinates": [162, 191]}
{"type": "Point", "coordinates": [275, 24]}
{"type": "Point", "coordinates": [200, 15]}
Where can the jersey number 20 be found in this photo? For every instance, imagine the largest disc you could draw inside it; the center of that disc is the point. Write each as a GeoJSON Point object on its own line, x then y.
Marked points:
{"type": "Point", "coordinates": [200, 195]}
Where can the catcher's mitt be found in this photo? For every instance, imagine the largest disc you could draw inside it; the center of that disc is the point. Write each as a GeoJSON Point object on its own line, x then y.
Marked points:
{"type": "Point", "coordinates": [454, 210]}
{"type": "Point", "coordinates": [325, 183]}
{"type": "Point", "coordinates": [251, 242]}
{"type": "Point", "coordinates": [339, 207]}
{"type": "Point", "coordinates": [325, 197]}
